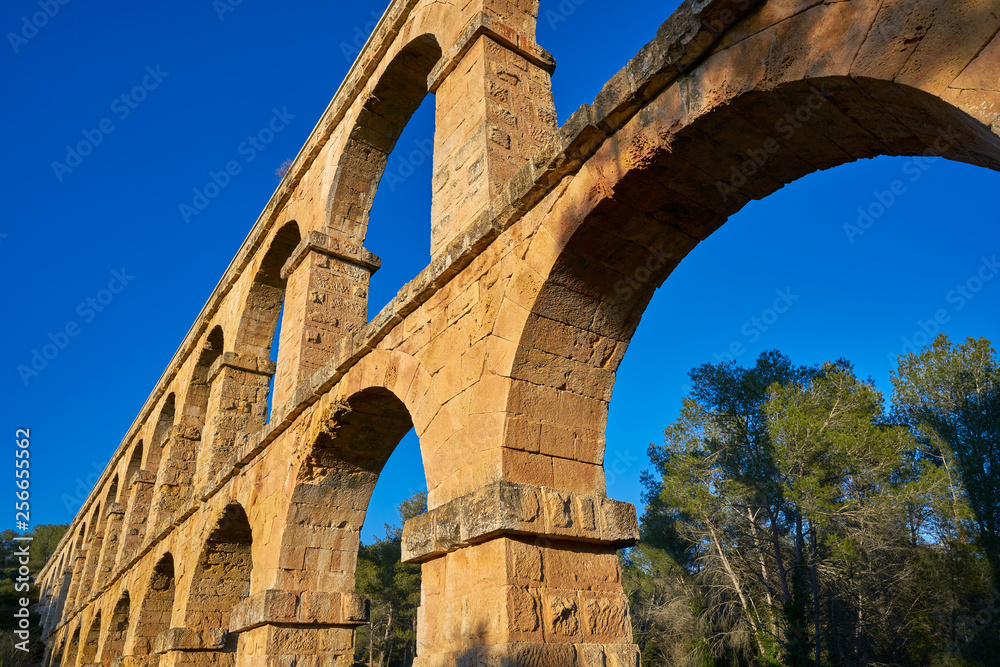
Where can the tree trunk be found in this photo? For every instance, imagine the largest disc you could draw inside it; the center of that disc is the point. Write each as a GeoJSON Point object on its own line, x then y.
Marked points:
{"type": "Point", "coordinates": [739, 589]}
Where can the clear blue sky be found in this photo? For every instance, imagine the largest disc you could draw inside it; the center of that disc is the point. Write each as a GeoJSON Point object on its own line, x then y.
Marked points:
{"type": "Point", "coordinates": [208, 83]}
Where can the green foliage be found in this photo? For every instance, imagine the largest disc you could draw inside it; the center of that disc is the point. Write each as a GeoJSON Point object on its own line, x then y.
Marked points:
{"type": "Point", "coordinates": [393, 588]}
{"type": "Point", "coordinates": [950, 396]}
{"type": "Point", "coordinates": [798, 523]}
{"type": "Point", "coordinates": [46, 539]}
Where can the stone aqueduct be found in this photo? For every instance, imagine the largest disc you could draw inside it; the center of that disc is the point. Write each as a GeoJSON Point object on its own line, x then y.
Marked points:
{"type": "Point", "coordinates": [217, 538]}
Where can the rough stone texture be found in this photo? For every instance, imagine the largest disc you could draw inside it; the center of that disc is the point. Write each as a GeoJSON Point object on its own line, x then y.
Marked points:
{"type": "Point", "coordinates": [219, 535]}
{"type": "Point", "coordinates": [518, 509]}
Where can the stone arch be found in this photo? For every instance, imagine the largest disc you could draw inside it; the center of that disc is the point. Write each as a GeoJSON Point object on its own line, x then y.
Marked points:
{"type": "Point", "coordinates": [196, 401]}
{"type": "Point", "coordinates": [88, 651]}
{"type": "Point", "coordinates": [73, 648]}
{"type": "Point", "coordinates": [112, 495]}
{"type": "Point", "coordinates": [221, 578]}
{"type": "Point", "coordinates": [117, 632]}
{"type": "Point", "coordinates": [93, 544]}
{"type": "Point", "coordinates": [56, 650]}
{"type": "Point", "coordinates": [75, 567]}
{"type": "Point", "coordinates": [174, 483]}
{"type": "Point", "coordinates": [137, 495]}
{"type": "Point", "coordinates": [161, 432]}
{"type": "Point", "coordinates": [245, 376]}
{"type": "Point", "coordinates": [263, 305]}
{"type": "Point", "coordinates": [737, 128]}
{"type": "Point", "coordinates": [134, 466]}
{"type": "Point", "coordinates": [156, 608]}
{"type": "Point", "coordinates": [386, 111]}
{"type": "Point", "coordinates": [110, 533]}
{"type": "Point", "coordinates": [61, 579]}
{"type": "Point", "coordinates": [355, 431]}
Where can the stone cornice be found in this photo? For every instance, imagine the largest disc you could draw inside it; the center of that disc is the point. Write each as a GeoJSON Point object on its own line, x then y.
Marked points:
{"type": "Point", "coordinates": [507, 508]}
{"type": "Point", "coordinates": [332, 245]}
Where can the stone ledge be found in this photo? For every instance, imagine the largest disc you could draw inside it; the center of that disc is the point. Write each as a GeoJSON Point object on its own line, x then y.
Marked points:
{"type": "Point", "coordinates": [532, 653]}
{"type": "Point", "coordinates": [142, 477]}
{"type": "Point", "coordinates": [507, 508]}
{"type": "Point", "coordinates": [186, 639]}
{"type": "Point", "coordinates": [308, 608]}
{"type": "Point", "coordinates": [490, 26]}
{"type": "Point", "coordinates": [333, 245]}
{"type": "Point", "coordinates": [135, 661]}
{"type": "Point", "coordinates": [242, 362]}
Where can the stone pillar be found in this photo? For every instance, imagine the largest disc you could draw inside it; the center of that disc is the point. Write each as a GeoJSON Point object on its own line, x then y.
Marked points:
{"type": "Point", "coordinates": [112, 540]}
{"type": "Point", "coordinates": [326, 300]}
{"type": "Point", "coordinates": [175, 476]}
{"type": "Point", "coordinates": [521, 573]}
{"type": "Point", "coordinates": [237, 404]}
{"type": "Point", "coordinates": [494, 111]}
{"type": "Point", "coordinates": [90, 570]}
{"type": "Point", "coordinates": [140, 494]}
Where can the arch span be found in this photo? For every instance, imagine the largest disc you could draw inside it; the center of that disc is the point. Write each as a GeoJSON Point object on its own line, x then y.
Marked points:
{"type": "Point", "coordinates": [666, 181]}
{"type": "Point", "coordinates": [386, 111]}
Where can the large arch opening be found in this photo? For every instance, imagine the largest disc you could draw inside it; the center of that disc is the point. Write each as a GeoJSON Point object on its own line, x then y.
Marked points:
{"type": "Point", "coordinates": [388, 109]}
{"type": "Point", "coordinates": [179, 470]}
{"type": "Point", "coordinates": [137, 495]}
{"type": "Point", "coordinates": [73, 648]}
{"type": "Point", "coordinates": [677, 185]}
{"type": "Point", "coordinates": [352, 439]}
{"type": "Point", "coordinates": [156, 608]}
{"type": "Point", "coordinates": [88, 652]}
{"type": "Point", "coordinates": [384, 173]}
{"type": "Point", "coordinates": [111, 531]}
{"type": "Point", "coordinates": [680, 169]}
{"type": "Point", "coordinates": [134, 466]}
{"type": "Point", "coordinates": [337, 478]}
{"type": "Point", "coordinates": [200, 386]}
{"type": "Point", "coordinates": [161, 431]}
{"type": "Point", "coordinates": [259, 330]}
{"type": "Point", "coordinates": [222, 576]}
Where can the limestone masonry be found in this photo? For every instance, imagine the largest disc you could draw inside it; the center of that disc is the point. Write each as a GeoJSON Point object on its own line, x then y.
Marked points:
{"type": "Point", "coordinates": [215, 537]}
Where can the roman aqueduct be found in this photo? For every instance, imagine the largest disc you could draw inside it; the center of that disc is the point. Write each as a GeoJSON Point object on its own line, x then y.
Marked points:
{"type": "Point", "coordinates": [218, 537]}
